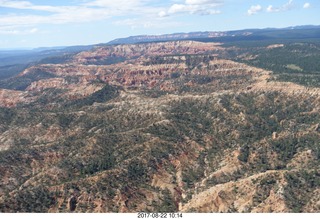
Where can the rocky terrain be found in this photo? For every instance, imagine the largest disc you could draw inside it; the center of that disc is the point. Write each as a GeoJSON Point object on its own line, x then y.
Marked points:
{"type": "Point", "coordinates": [158, 127]}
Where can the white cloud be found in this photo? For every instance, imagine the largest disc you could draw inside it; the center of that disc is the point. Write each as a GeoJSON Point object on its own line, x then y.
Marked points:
{"type": "Point", "coordinates": [201, 2]}
{"type": "Point", "coordinates": [151, 23]}
{"type": "Point", "coordinates": [200, 7]}
{"type": "Point", "coordinates": [177, 8]}
{"type": "Point", "coordinates": [15, 4]}
{"type": "Point", "coordinates": [270, 8]}
{"type": "Point", "coordinates": [254, 9]}
{"type": "Point", "coordinates": [119, 5]}
{"type": "Point", "coordinates": [306, 5]}
{"type": "Point", "coordinates": [73, 16]}
{"type": "Point", "coordinates": [58, 14]}
{"type": "Point", "coordinates": [18, 31]}
{"type": "Point", "coordinates": [285, 7]}
{"type": "Point", "coordinates": [30, 6]}
{"type": "Point", "coordinates": [144, 11]}
{"type": "Point", "coordinates": [163, 14]}
{"type": "Point", "coordinates": [34, 30]}
{"type": "Point", "coordinates": [87, 11]}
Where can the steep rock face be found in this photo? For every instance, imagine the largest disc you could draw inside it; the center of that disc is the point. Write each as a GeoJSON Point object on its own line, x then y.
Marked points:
{"type": "Point", "coordinates": [79, 81]}
{"type": "Point", "coordinates": [149, 49]}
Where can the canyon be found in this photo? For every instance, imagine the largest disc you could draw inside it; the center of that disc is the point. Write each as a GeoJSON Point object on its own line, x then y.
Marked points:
{"type": "Point", "coordinates": [158, 127]}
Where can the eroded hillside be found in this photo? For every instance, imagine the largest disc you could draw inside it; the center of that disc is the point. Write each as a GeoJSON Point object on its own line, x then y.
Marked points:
{"type": "Point", "coordinates": [157, 127]}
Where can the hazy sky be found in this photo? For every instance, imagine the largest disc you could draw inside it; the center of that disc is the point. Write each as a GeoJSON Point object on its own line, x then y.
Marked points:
{"type": "Point", "coordinates": [36, 23]}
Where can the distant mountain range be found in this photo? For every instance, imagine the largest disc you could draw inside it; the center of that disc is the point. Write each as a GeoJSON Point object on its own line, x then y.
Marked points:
{"type": "Point", "coordinates": [307, 31]}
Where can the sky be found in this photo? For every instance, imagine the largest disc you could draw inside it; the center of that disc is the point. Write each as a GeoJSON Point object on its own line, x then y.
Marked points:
{"type": "Point", "coordinates": [43, 23]}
